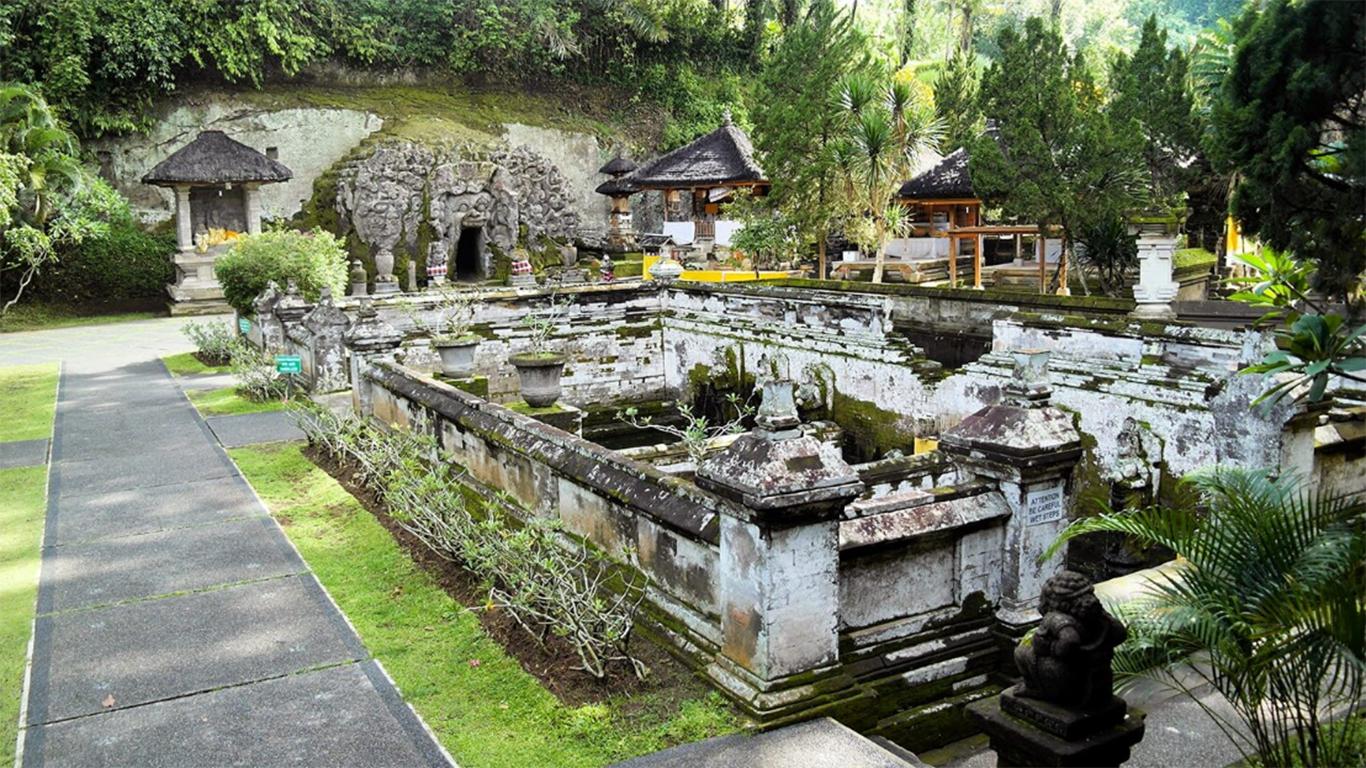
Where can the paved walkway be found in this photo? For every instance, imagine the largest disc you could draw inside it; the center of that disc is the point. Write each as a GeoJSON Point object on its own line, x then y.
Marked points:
{"type": "Point", "coordinates": [176, 624]}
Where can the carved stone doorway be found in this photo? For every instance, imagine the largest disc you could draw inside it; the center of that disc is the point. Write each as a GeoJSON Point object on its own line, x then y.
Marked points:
{"type": "Point", "coordinates": [469, 252]}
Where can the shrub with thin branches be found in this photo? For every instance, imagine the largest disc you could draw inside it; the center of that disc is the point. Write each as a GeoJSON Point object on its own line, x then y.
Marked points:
{"type": "Point", "coordinates": [214, 341]}
{"type": "Point", "coordinates": [547, 584]}
{"type": "Point", "coordinates": [1266, 607]}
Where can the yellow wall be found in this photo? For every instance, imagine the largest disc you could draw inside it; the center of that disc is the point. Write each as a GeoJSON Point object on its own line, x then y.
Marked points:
{"type": "Point", "coordinates": [715, 275]}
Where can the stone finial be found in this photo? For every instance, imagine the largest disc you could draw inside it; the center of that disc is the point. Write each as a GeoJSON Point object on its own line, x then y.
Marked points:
{"type": "Point", "coordinates": [778, 471]}
{"type": "Point", "coordinates": [370, 333]}
{"type": "Point", "coordinates": [1028, 387]}
{"type": "Point", "coordinates": [265, 301]}
{"type": "Point", "coordinates": [292, 306]}
{"type": "Point", "coordinates": [725, 117]}
{"type": "Point", "coordinates": [326, 315]}
{"type": "Point", "coordinates": [358, 278]}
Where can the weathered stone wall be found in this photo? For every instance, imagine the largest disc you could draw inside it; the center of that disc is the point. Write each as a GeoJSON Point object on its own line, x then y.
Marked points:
{"type": "Point", "coordinates": [612, 335]}
{"type": "Point", "coordinates": [308, 140]}
{"type": "Point", "coordinates": [577, 157]}
{"type": "Point", "coordinates": [410, 197]}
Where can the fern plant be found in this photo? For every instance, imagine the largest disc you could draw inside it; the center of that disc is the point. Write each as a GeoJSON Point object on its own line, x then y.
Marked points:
{"type": "Point", "coordinates": [1266, 606]}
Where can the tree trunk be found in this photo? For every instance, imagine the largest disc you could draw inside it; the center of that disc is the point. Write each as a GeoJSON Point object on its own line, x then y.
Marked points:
{"type": "Point", "coordinates": [881, 253]}
{"type": "Point", "coordinates": [1055, 12]}
{"type": "Point", "coordinates": [820, 258]}
{"type": "Point", "coordinates": [965, 41]}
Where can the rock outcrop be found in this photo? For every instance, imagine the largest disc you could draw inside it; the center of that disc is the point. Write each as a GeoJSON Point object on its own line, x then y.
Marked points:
{"type": "Point", "coordinates": [391, 195]}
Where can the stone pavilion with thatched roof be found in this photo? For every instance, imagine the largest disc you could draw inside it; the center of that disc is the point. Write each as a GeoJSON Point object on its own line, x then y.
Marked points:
{"type": "Point", "coordinates": [709, 169]}
{"type": "Point", "coordinates": [217, 183]}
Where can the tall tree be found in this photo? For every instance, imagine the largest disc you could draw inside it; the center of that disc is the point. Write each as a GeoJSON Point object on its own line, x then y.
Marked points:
{"type": "Point", "coordinates": [1151, 98]}
{"type": "Point", "coordinates": [956, 103]}
{"type": "Point", "coordinates": [1291, 122]}
{"type": "Point", "coordinates": [1059, 161]}
{"type": "Point", "coordinates": [795, 131]}
{"type": "Point", "coordinates": [889, 127]}
{"type": "Point", "coordinates": [906, 32]}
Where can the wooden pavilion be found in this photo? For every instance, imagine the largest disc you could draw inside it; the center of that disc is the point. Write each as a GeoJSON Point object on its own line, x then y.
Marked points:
{"type": "Point", "coordinates": [707, 171]}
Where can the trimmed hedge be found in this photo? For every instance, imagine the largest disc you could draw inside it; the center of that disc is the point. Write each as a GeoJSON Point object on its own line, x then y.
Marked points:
{"type": "Point", "coordinates": [311, 259]}
{"type": "Point", "coordinates": [127, 263]}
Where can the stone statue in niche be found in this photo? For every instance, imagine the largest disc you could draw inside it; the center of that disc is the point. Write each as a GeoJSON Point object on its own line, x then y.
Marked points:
{"type": "Point", "coordinates": [1068, 661]}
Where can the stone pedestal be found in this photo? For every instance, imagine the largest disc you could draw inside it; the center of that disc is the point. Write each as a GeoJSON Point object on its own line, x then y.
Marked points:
{"type": "Point", "coordinates": [779, 579]}
{"type": "Point", "coordinates": [561, 416]}
{"type": "Point", "coordinates": [1029, 450]}
{"type": "Point", "coordinates": [1156, 289]}
{"type": "Point", "coordinates": [1028, 732]}
{"type": "Point", "coordinates": [327, 327]}
{"type": "Point", "coordinates": [369, 340]}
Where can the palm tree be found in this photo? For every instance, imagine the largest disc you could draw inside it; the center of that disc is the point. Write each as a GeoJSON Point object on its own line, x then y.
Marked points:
{"type": "Point", "coordinates": [1266, 606]}
{"type": "Point", "coordinates": [889, 127]}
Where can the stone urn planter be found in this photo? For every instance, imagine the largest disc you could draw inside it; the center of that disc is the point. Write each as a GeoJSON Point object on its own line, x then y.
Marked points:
{"type": "Point", "coordinates": [457, 354]}
{"type": "Point", "coordinates": [539, 373]}
{"type": "Point", "coordinates": [666, 270]}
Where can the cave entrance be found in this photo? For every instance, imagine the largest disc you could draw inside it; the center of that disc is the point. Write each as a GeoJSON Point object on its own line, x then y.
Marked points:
{"type": "Point", "coordinates": [468, 254]}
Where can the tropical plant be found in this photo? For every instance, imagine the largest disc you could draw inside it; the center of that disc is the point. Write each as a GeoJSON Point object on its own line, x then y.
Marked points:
{"type": "Point", "coordinates": [697, 433]}
{"type": "Point", "coordinates": [454, 313]}
{"type": "Point", "coordinates": [889, 126]}
{"type": "Point", "coordinates": [766, 236]}
{"type": "Point", "coordinates": [1315, 343]}
{"type": "Point", "coordinates": [541, 324]}
{"type": "Point", "coordinates": [956, 102]}
{"type": "Point", "coordinates": [312, 260]}
{"type": "Point", "coordinates": [1265, 607]}
{"type": "Point", "coordinates": [798, 126]}
{"type": "Point", "coordinates": [255, 374]}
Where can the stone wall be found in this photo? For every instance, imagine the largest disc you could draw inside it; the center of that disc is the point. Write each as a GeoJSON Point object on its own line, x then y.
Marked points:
{"type": "Point", "coordinates": [308, 140]}
{"type": "Point", "coordinates": [612, 335]}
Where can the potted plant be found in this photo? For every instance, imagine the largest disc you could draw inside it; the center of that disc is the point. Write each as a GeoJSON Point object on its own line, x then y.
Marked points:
{"type": "Point", "coordinates": [539, 368]}
{"type": "Point", "coordinates": [450, 333]}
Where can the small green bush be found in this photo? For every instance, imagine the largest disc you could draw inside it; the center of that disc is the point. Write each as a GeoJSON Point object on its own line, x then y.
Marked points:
{"type": "Point", "coordinates": [311, 259]}
{"type": "Point", "coordinates": [124, 263]}
{"type": "Point", "coordinates": [214, 341]}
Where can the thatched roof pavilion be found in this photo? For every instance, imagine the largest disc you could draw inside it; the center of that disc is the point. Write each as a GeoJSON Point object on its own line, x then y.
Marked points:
{"type": "Point", "coordinates": [212, 159]}
{"type": "Point", "coordinates": [217, 193]}
{"type": "Point", "coordinates": [722, 158]}
{"type": "Point", "coordinates": [618, 166]}
{"type": "Point", "coordinates": [947, 180]}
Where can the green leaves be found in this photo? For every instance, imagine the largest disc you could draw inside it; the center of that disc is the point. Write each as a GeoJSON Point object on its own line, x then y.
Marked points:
{"type": "Point", "coordinates": [1266, 594]}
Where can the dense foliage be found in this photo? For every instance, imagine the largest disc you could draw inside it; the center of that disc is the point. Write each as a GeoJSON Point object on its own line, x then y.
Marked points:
{"type": "Point", "coordinates": [1060, 160]}
{"type": "Point", "coordinates": [124, 264]}
{"type": "Point", "coordinates": [49, 202]}
{"type": "Point", "coordinates": [104, 62]}
{"type": "Point", "coordinates": [956, 103]}
{"type": "Point", "coordinates": [1268, 591]}
{"type": "Point", "coordinates": [1290, 119]}
{"type": "Point", "coordinates": [312, 260]}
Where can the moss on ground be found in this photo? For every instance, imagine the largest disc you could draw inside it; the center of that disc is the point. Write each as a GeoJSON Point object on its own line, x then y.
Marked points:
{"type": "Point", "coordinates": [186, 364]}
{"type": "Point", "coordinates": [37, 317]}
{"type": "Point", "coordinates": [28, 398]}
{"type": "Point", "coordinates": [1193, 258]}
{"type": "Point", "coordinates": [492, 713]}
{"type": "Point", "coordinates": [228, 401]}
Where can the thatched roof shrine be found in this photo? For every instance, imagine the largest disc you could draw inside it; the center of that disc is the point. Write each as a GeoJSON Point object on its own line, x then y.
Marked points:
{"type": "Point", "coordinates": [618, 166]}
{"type": "Point", "coordinates": [213, 158]}
{"type": "Point", "coordinates": [947, 180]}
{"type": "Point", "coordinates": [723, 157]}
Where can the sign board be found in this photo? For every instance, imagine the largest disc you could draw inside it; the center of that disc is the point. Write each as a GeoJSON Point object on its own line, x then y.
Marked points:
{"type": "Point", "coordinates": [289, 364]}
{"type": "Point", "coordinates": [1043, 505]}
{"type": "Point", "coordinates": [243, 325]}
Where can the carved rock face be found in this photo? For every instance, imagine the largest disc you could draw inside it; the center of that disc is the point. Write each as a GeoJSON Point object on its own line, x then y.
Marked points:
{"type": "Point", "coordinates": [386, 196]}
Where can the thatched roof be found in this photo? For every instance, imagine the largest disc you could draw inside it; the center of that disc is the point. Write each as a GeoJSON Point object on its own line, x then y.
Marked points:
{"type": "Point", "coordinates": [213, 158]}
{"type": "Point", "coordinates": [616, 188]}
{"type": "Point", "coordinates": [723, 156]}
{"type": "Point", "coordinates": [947, 180]}
{"type": "Point", "coordinates": [618, 166]}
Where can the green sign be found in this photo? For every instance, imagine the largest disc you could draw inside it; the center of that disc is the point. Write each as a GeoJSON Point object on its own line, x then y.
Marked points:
{"type": "Point", "coordinates": [288, 364]}
{"type": "Point", "coordinates": [243, 324]}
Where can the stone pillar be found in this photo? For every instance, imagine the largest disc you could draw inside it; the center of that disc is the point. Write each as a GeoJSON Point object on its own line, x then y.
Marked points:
{"type": "Point", "coordinates": [779, 579]}
{"type": "Point", "coordinates": [251, 203]}
{"type": "Point", "coordinates": [358, 282]}
{"type": "Point", "coordinates": [184, 232]}
{"type": "Point", "coordinates": [369, 340]}
{"type": "Point", "coordinates": [1155, 289]}
{"type": "Point", "coordinates": [327, 326]}
{"type": "Point", "coordinates": [271, 333]}
{"type": "Point", "coordinates": [1029, 449]}
{"type": "Point", "coordinates": [290, 311]}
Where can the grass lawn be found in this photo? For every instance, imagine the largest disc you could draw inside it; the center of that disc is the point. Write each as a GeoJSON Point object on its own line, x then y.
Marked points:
{"type": "Point", "coordinates": [35, 317]}
{"type": "Point", "coordinates": [226, 401]}
{"type": "Point", "coordinates": [186, 364]}
{"type": "Point", "coordinates": [485, 709]}
{"type": "Point", "coordinates": [27, 398]}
